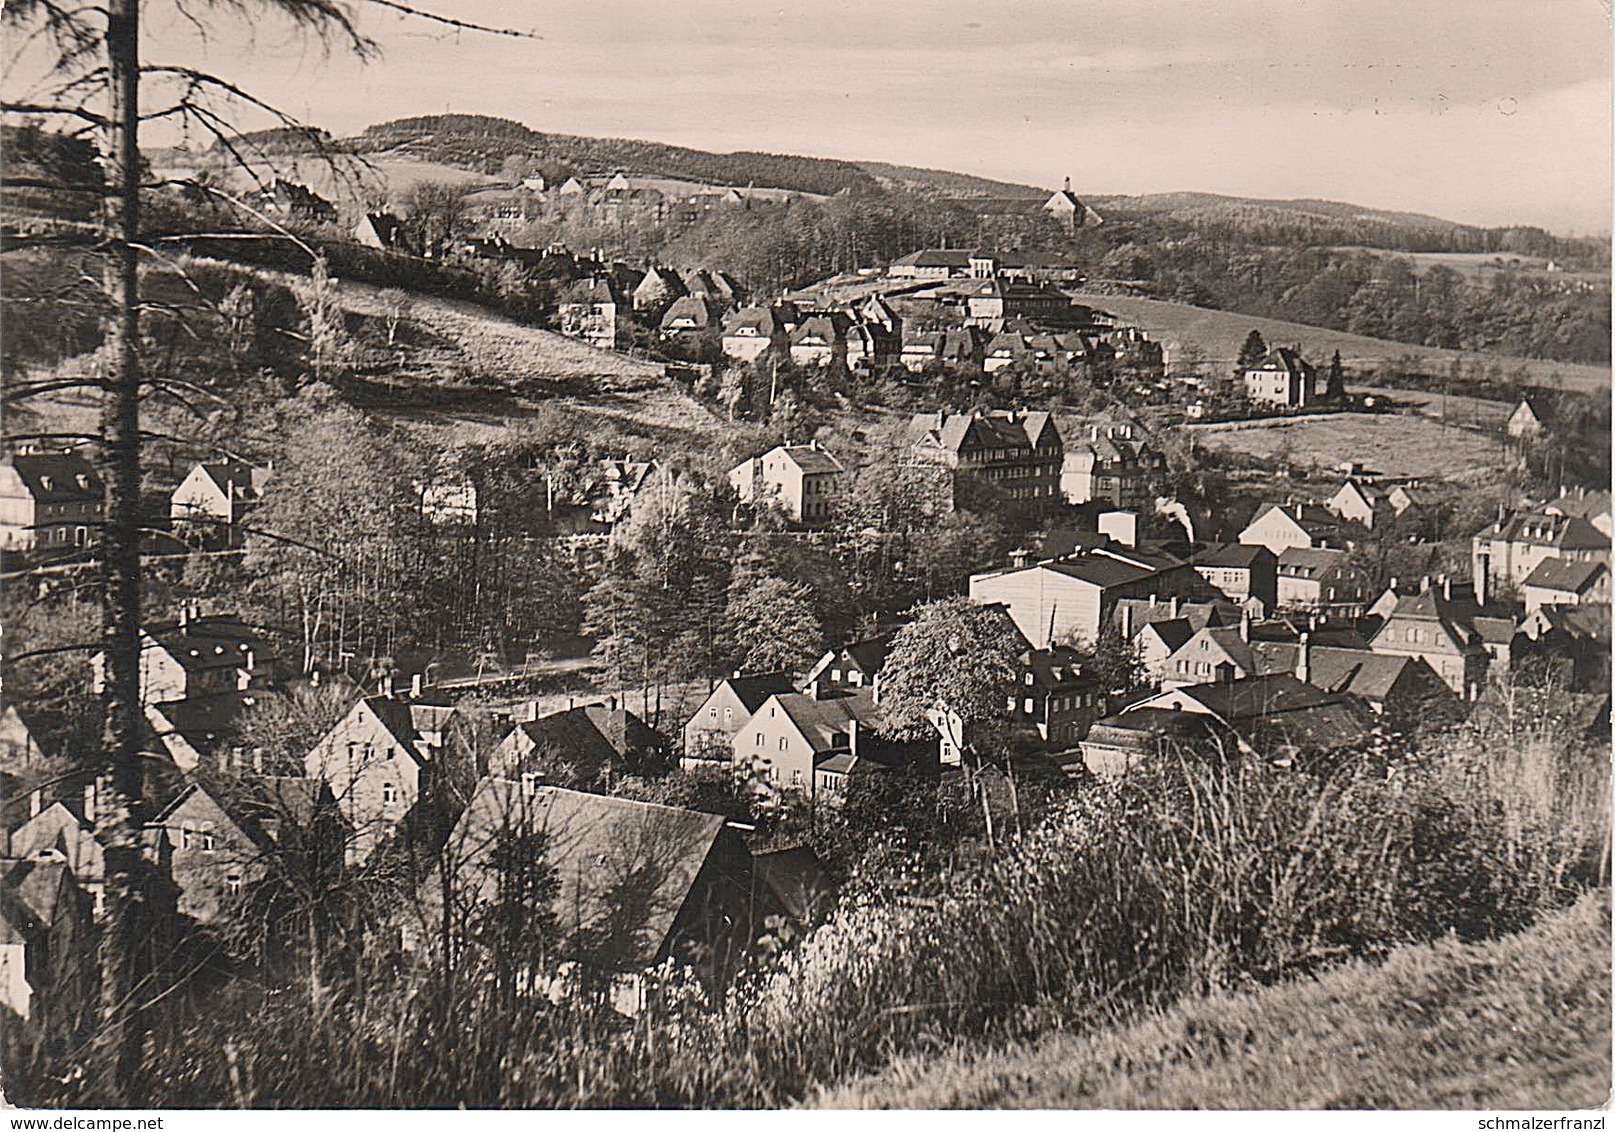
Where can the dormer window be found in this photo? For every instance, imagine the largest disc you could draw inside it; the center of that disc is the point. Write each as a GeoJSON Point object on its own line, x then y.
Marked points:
{"type": "Point", "coordinates": [47, 482]}
{"type": "Point", "coordinates": [83, 481]}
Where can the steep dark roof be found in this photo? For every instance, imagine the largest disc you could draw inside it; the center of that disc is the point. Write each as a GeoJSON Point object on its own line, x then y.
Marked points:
{"type": "Point", "coordinates": [596, 846]}
{"type": "Point", "coordinates": [1564, 574]}
{"type": "Point", "coordinates": [796, 879]}
{"type": "Point", "coordinates": [57, 477]}
{"type": "Point", "coordinates": [1231, 556]}
{"type": "Point", "coordinates": [203, 643]}
{"type": "Point", "coordinates": [870, 654]}
{"type": "Point", "coordinates": [753, 690]}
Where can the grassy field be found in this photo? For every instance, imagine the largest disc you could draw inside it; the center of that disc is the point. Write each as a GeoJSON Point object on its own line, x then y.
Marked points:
{"type": "Point", "coordinates": [1218, 335]}
{"type": "Point", "coordinates": [1481, 267]}
{"type": "Point", "coordinates": [1520, 1023]}
{"type": "Point", "coordinates": [1397, 445]}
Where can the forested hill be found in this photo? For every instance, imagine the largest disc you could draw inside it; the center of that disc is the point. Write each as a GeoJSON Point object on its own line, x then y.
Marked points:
{"type": "Point", "coordinates": [487, 144]}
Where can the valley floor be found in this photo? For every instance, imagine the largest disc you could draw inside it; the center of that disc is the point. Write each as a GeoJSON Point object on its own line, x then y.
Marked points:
{"type": "Point", "coordinates": [1519, 1023]}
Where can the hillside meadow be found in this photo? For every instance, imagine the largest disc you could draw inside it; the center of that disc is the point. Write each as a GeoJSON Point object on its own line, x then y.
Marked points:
{"type": "Point", "coordinates": [1217, 335]}
{"type": "Point", "coordinates": [1516, 1023]}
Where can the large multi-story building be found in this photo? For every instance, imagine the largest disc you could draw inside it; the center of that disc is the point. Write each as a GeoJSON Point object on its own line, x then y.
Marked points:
{"type": "Point", "coordinates": [803, 480]}
{"type": "Point", "coordinates": [1503, 555]}
{"type": "Point", "coordinates": [1018, 453]}
{"type": "Point", "coordinates": [49, 501]}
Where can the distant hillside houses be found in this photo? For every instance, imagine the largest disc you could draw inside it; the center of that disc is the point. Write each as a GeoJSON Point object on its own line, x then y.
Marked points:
{"type": "Point", "coordinates": [1008, 221]}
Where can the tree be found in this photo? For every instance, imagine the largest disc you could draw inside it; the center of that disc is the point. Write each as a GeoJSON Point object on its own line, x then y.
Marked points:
{"type": "Point", "coordinates": [329, 348]}
{"type": "Point", "coordinates": [396, 307]}
{"type": "Point", "coordinates": [950, 670]}
{"type": "Point", "coordinates": [1335, 386]}
{"type": "Point", "coordinates": [771, 624]}
{"type": "Point", "coordinates": [1251, 353]}
{"type": "Point", "coordinates": [436, 213]}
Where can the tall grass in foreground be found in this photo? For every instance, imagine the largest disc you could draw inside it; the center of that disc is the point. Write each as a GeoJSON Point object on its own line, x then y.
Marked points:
{"type": "Point", "coordinates": [1182, 879]}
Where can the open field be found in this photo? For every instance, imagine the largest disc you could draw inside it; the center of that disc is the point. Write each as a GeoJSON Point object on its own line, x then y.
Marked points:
{"type": "Point", "coordinates": [1481, 267]}
{"type": "Point", "coordinates": [1218, 335]}
{"type": "Point", "coordinates": [1397, 445]}
{"type": "Point", "coordinates": [1519, 1023]}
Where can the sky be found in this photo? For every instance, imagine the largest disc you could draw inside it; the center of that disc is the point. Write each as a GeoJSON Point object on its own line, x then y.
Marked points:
{"type": "Point", "coordinates": [1483, 111]}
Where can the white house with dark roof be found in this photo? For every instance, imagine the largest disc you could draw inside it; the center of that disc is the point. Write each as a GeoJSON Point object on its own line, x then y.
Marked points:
{"type": "Point", "coordinates": [1556, 581]}
{"type": "Point", "coordinates": [803, 480]}
{"type": "Point", "coordinates": [726, 710]}
{"type": "Point", "coordinates": [1505, 553]}
{"type": "Point", "coordinates": [377, 766]}
{"type": "Point", "coordinates": [751, 332]}
{"type": "Point", "coordinates": [1320, 581]}
{"type": "Point", "coordinates": [217, 494]}
{"type": "Point", "coordinates": [1283, 379]}
{"type": "Point", "coordinates": [197, 656]}
{"type": "Point", "coordinates": [49, 501]}
{"type": "Point", "coordinates": [1306, 525]}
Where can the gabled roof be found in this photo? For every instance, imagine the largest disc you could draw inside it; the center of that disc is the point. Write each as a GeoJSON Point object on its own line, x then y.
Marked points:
{"type": "Point", "coordinates": [571, 736]}
{"type": "Point", "coordinates": [56, 827]}
{"type": "Point", "coordinates": [759, 319]}
{"type": "Point", "coordinates": [811, 459]}
{"type": "Point", "coordinates": [236, 479]}
{"type": "Point", "coordinates": [796, 878]}
{"type": "Point", "coordinates": [1358, 672]}
{"type": "Point", "coordinates": [1565, 574]}
{"type": "Point", "coordinates": [1583, 505]}
{"type": "Point", "coordinates": [955, 259]}
{"type": "Point", "coordinates": [826, 722]}
{"type": "Point", "coordinates": [399, 721]}
{"type": "Point", "coordinates": [869, 654]}
{"type": "Point", "coordinates": [626, 732]}
{"type": "Point", "coordinates": [828, 328]}
{"type": "Point", "coordinates": [698, 311]}
{"type": "Point", "coordinates": [56, 477]}
{"type": "Point", "coordinates": [1567, 532]}
{"type": "Point", "coordinates": [1231, 556]}
{"type": "Point", "coordinates": [203, 643]}
{"type": "Point", "coordinates": [1304, 562]}
{"type": "Point", "coordinates": [1173, 632]}
{"type": "Point", "coordinates": [595, 846]}
{"type": "Point", "coordinates": [754, 689]}
{"type": "Point", "coordinates": [1284, 359]}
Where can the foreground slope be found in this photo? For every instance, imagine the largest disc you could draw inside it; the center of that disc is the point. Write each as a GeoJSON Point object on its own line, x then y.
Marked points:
{"type": "Point", "coordinates": [1522, 1022]}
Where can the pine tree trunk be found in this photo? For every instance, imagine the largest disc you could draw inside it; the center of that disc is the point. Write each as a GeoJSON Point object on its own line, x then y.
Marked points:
{"type": "Point", "coordinates": [119, 813]}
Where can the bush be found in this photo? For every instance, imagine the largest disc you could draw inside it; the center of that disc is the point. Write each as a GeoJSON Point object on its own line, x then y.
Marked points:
{"type": "Point", "coordinates": [1183, 878]}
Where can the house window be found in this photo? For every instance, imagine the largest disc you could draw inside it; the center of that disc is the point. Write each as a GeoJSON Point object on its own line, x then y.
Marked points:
{"type": "Point", "coordinates": [232, 881]}
{"type": "Point", "coordinates": [1010, 704]}
{"type": "Point", "coordinates": [1028, 705]}
{"type": "Point", "coordinates": [712, 713]}
{"type": "Point", "coordinates": [529, 783]}
{"type": "Point", "coordinates": [759, 738]}
{"type": "Point", "coordinates": [208, 844]}
{"type": "Point", "coordinates": [784, 743]}
{"type": "Point", "coordinates": [1028, 679]}
{"type": "Point", "coordinates": [796, 778]}
{"type": "Point", "coordinates": [389, 793]}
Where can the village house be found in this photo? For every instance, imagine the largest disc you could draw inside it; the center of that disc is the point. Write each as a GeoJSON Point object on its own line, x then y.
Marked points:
{"type": "Point", "coordinates": [215, 496]}
{"type": "Point", "coordinates": [1558, 582]}
{"type": "Point", "coordinates": [1452, 632]}
{"type": "Point", "coordinates": [380, 770]}
{"type": "Point", "coordinates": [751, 332]}
{"type": "Point", "coordinates": [1523, 423]}
{"type": "Point", "coordinates": [1283, 379]}
{"type": "Point", "coordinates": [991, 301]}
{"type": "Point", "coordinates": [657, 290]}
{"type": "Point", "coordinates": [1240, 572]}
{"type": "Point", "coordinates": [1020, 453]}
{"type": "Point", "coordinates": [1278, 718]}
{"type": "Point", "coordinates": [23, 767]}
{"type": "Point", "coordinates": [1057, 699]}
{"type": "Point", "coordinates": [1069, 600]}
{"type": "Point", "coordinates": [214, 856]}
{"type": "Point", "coordinates": [1503, 555]}
{"type": "Point", "coordinates": [196, 657]}
{"type": "Point", "coordinates": [48, 983]}
{"type": "Point", "coordinates": [1575, 637]}
{"type": "Point", "coordinates": [820, 340]}
{"type": "Point", "coordinates": [1367, 504]}
{"type": "Point", "coordinates": [1306, 525]}
{"type": "Point", "coordinates": [1593, 506]}
{"type": "Point", "coordinates": [49, 501]}
{"type": "Point", "coordinates": [951, 349]}
{"type": "Point", "coordinates": [1110, 469]}
{"type": "Point", "coordinates": [56, 832]}
{"type": "Point", "coordinates": [582, 746]}
{"type": "Point", "coordinates": [709, 733]}
{"type": "Point", "coordinates": [645, 886]}
{"type": "Point", "coordinates": [690, 318]}
{"type": "Point", "coordinates": [1320, 581]}
{"type": "Point", "coordinates": [932, 263]}
{"type": "Point", "coordinates": [384, 232]}
{"type": "Point", "coordinates": [812, 742]}
{"type": "Point", "coordinates": [802, 480]}
{"type": "Point", "coordinates": [1069, 212]}
{"type": "Point", "coordinates": [590, 311]}
{"type": "Point", "coordinates": [851, 666]}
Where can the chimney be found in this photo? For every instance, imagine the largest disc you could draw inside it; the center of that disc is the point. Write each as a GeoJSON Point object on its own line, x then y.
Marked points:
{"type": "Point", "coordinates": [89, 802]}
{"type": "Point", "coordinates": [1303, 659]}
{"type": "Point", "coordinates": [737, 674]}
{"type": "Point", "coordinates": [417, 684]}
{"type": "Point", "coordinates": [1172, 605]}
{"type": "Point", "coordinates": [387, 685]}
{"type": "Point", "coordinates": [812, 690]}
{"type": "Point", "coordinates": [1127, 622]}
{"type": "Point", "coordinates": [251, 660]}
{"type": "Point", "coordinates": [1393, 583]}
{"type": "Point", "coordinates": [314, 678]}
{"type": "Point", "coordinates": [1245, 626]}
{"type": "Point", "coordinates": [852, 737]}
{"type": "Point", "coordinates": [1446, 588]}
{"type": "Point", "coordinates": [1424, 584]}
